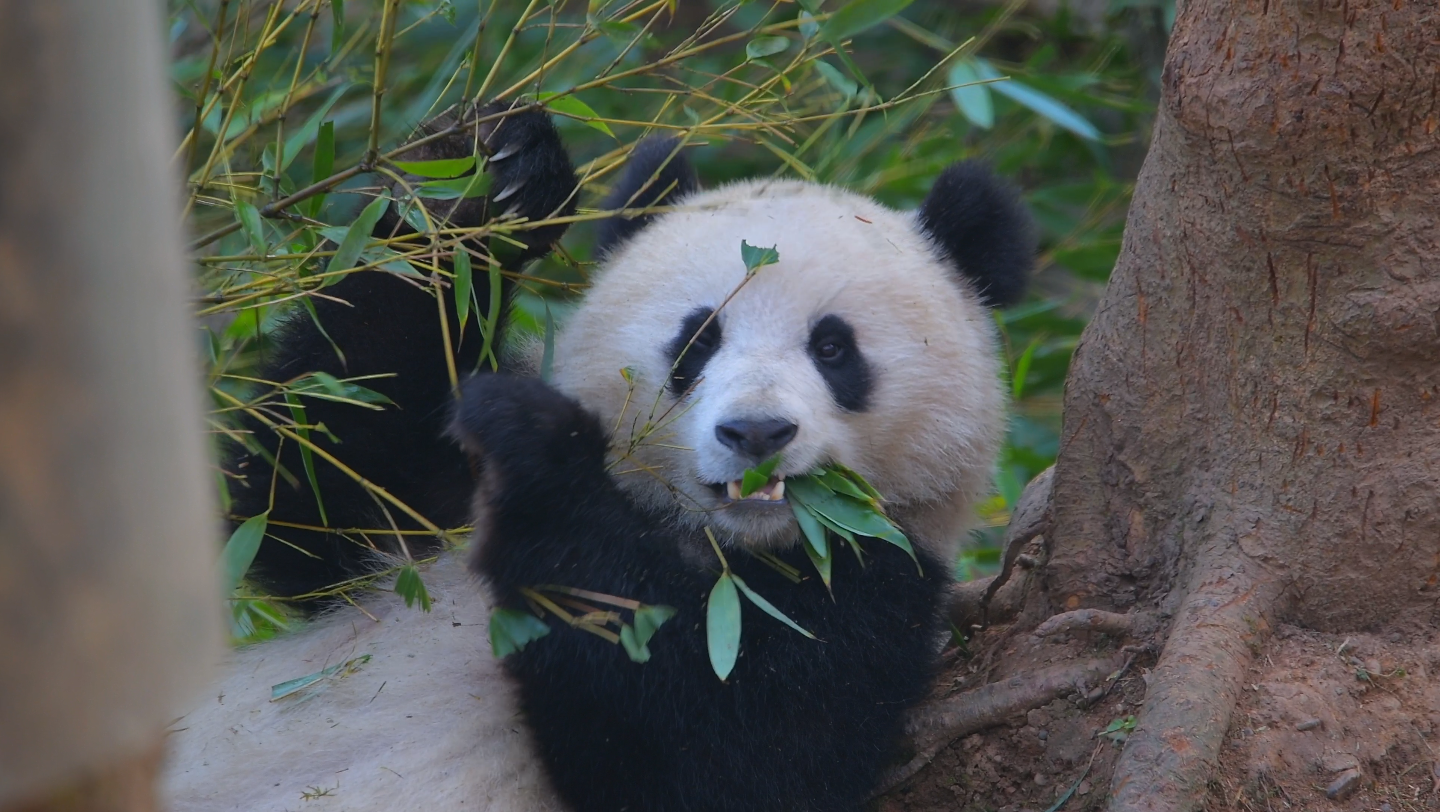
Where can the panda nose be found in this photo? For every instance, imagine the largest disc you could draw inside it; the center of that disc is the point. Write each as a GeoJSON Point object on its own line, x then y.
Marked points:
{"type": "Point", "coordinates": [757, 439]}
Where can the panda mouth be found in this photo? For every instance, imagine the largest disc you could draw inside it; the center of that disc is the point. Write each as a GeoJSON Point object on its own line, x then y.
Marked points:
{"type": "Point", "coordinates": [772, 491]}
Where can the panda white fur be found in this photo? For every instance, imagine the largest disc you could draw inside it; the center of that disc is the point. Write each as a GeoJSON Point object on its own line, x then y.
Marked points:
{"type": "Point", "coordinates": [867, 343]}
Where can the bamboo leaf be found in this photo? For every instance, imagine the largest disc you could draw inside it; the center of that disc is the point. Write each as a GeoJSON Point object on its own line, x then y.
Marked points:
{"type": "Point", "coordinates": [755, 478]}
{"type": "Point", "coordinates": [858, 15]}
{"type": "Point", "coordinates": [511, 630]}
{"type": "Point", "coordinates": [312, 126]}
{"type": "Point", "coordinates": [324, 162]}
{"type": "Point", "coordinates": [444, 168]}
{"type": "Point", "coordinates": [409, 586]}
{"type": "Point", "coordinates": [240, 550]}
{"type": "Point", "coordinates": [1041, 103]}
{"type": "Point", "coordinates": [766, 606]}
{"type": "Point", "coordinates": [572, 106]}
{"type": "Point", "coordinates": [761, 47]}
{"type": "Point", "coordinates": [973, 99]}
{"type": "Point", "coordinates": [356, 235]}
{"type": "Point", "coordinates": [250, 222]}
{"type": "Point", "coordinates": [757, 258]}
{"type": "Point", "coordinates": [307, 457]}
{"type": "Point", "coordinates": [463, 285]}
{"type": "Point", "coordinates": [722, 626]}
{"type": "Point", "coordinates": [469, 186]}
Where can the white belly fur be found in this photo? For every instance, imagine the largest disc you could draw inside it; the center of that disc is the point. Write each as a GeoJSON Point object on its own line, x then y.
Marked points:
{"type": "Point", "coordinates": [428, 723]}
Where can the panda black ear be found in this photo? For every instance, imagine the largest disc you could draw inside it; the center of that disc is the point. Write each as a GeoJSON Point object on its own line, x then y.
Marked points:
{"type": "Point", "coordinates": [656, 173]}
{"type": "Point", "coordinates": [980, 223]}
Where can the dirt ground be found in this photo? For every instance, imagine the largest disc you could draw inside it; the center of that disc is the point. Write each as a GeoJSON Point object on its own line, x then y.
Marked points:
{"type": "Point", "coordinates": [1357, 716]}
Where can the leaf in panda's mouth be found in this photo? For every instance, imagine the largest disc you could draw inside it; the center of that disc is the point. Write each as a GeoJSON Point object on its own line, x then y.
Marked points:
{"type": "Point", "coordinates": [833, 498]}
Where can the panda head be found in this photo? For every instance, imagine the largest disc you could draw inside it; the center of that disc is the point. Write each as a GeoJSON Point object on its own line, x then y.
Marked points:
{"type": "Point", "coordinates": [869, 343]}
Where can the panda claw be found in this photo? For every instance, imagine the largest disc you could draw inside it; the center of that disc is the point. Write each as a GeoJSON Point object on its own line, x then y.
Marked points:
{"type": "Point", "coordinates": [505, 152]}
{"type": "Point", "coordinates": [509, 190]}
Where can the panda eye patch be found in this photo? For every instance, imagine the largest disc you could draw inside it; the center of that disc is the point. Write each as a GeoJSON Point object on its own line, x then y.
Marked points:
{"type": "Point", "coordinates": [837, 356]}
{"type": "Point", "coordinates": [691, 348]}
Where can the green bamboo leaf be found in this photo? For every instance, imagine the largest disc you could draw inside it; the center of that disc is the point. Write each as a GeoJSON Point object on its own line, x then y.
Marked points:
{"type": "Point", "coordinates": [812, 530]}
{"type": "Point", "coordinates": [250, 222]}
{"type": "Point", "coordinates": [766, 606]}
{"type": "Point", "coordinates": [722, 626]}
{"type": "Point", "coordinates": [337, 25]}
{"type": "Point", "coordinates": [571, 106]}
{"type": "Point", "coordinates": [1043, 104]}
{"type": "Point", "coordinates": [838, 483]}
{"type": "Point", "coordinates": [761, 47]}
{"type": "Point", "coordinates": [843, 512]}
{"type": "Point", "coordinates": [409, 586]}
{"type": "Point", "coordinates": [240, 550]}
{"type": "Point", "coordinates": [547, 355]}
{"type": "Point", "coordinates": [307, 456]}
{"type": "Point", "coordinates": [324, 162]}
{"type": "Point", "coordinates": [858, 15]}
{"type": "Point", "coordinates": [636, 638]}
{"type": "Point", "coordinates": [288, 687]}
{"type": "Point", "coordinates": [444, 168]}
{"type": "Point", "coordinates": [476, 185]}
{"type": "Point", "coordinates": [296, 142]}
{"type": "Point", "coordinates": [463, 285]}
{"type": "Point", "coordinates": [822, 563]}
{"type": "Point", "coordinates": [755, 478]}
{"type": "Point", "coordinates": [1022, 369]}
{"type": "Point", "coordinates": [837, 80]}
{"type": "Point", "coordinates": [972, 99]}
{"type": "Point", "coordinates": [346, 391]}
{"type": "Point", "coordinates": [356, 235]}
{"type": "Point", "coordinates": [511, 630]}
{"type": "Point", "coordinates": [808, 27]}
{"type": "Point", "coordinates": [492, 318]}
{"type": "Point", "coordinates": [757, 258]}
{"type": "Point", "coordinates": [637, 651]}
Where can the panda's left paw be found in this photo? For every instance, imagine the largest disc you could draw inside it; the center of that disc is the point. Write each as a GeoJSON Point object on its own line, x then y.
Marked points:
{"type": "Point", "coordinates": [527, 431]}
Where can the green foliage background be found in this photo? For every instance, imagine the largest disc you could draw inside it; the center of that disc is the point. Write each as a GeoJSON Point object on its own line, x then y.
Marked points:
{"type": "Point", "coordinates": [281, 96]}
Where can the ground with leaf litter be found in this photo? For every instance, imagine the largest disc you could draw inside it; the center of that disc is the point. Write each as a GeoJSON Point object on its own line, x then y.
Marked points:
{"type": "Point", "coordinates": [1326, 722]}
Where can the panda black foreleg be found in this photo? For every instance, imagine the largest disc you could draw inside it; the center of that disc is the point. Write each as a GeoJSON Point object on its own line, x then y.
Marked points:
{"type": "Point", "coordinates": [800, 724]}
{"type": "Point", "coordinates": [386, 325]}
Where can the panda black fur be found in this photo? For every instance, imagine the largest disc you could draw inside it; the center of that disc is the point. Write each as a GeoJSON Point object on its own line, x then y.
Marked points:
{"type": "Point", "coordinates": [388, 326]}
{"type": "Point", "coordinates": [569, 496]}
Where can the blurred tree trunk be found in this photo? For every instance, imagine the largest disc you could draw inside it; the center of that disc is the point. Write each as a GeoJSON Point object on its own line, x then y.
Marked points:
{"type": "Point", "coordinates": [1251, 418]}
{"type": "Point", "coordinates": [107, 586]}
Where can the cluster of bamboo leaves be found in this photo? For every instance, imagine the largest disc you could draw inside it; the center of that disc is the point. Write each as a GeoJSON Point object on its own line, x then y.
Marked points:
{"type": "Point", "coordinates": [294, 112]}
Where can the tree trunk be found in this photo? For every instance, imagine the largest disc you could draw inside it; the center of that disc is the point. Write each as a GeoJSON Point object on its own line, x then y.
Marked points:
{"type": "Point", "coordinates": [107, 584]}
{"type": "Point", "coordinates": [1251, 418]}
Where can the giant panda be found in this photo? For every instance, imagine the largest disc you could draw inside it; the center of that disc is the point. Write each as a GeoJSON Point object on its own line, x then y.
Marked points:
{"type": "Point", "coordinates": [868, 343]}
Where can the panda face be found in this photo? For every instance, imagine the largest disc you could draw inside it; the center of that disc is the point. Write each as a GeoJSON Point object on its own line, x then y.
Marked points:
{"type": "Point", "coordinates": [860, 346]}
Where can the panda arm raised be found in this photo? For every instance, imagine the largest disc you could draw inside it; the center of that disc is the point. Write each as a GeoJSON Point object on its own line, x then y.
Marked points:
{"type": "Point", "coordinates": [389, 326]}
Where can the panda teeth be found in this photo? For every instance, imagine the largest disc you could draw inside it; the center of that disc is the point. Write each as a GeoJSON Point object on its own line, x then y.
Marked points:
{"type": "Point", "coordinates": [772, 492]}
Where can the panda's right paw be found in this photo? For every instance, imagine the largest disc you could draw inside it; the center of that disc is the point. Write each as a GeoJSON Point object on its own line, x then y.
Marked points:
{"type": "Point", "coordinates": [527, 433]}
{"type": "Point", "coordinates": [531, 174]}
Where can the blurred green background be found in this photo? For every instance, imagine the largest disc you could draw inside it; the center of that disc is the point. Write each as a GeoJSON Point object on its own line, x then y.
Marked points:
{"type": "Point", "coordinates": [274, 95]}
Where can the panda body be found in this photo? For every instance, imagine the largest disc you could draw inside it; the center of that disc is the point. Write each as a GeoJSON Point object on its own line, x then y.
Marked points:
{"type": "Point", "coordinates": [867, 343]}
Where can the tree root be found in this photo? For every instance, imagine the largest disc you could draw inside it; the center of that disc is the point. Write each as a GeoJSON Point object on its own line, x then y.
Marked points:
{"type": "Point", "coordinates": [974, 603]}
{"type": "Point", "coordinates": [1136, 625]}
{"type": "Point", "coordinates": [934, 726]}
{"type": "Point", "coordinates": [1194, 688]}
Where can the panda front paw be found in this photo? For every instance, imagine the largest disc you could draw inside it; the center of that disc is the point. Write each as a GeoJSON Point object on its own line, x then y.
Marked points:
{"type": "Point", "coordinates": [532, 176]}
{"type": "Point", "coordinates": [527, 432]}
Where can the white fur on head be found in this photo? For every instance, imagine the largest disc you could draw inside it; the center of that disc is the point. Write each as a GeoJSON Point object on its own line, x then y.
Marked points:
{"type": "Point", "coordinates": [935, 416]}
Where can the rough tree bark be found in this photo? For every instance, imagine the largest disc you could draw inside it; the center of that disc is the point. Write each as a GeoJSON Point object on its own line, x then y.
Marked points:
{"type": "Point", "coordinates": [107, 577]}
{"type": "Point", "coordinates": [1251, 417]}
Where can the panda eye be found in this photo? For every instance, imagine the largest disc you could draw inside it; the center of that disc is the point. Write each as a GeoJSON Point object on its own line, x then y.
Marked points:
{"type": "Point", "coordinates": [830, 351]}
